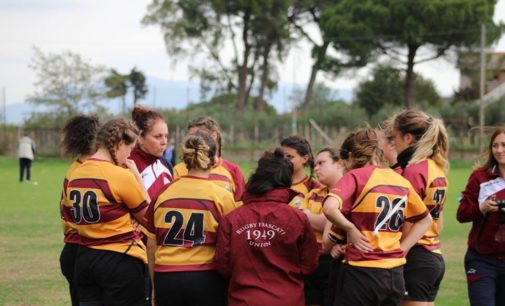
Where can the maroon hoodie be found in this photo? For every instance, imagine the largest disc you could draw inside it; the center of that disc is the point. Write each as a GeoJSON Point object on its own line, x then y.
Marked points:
{"type": "Point", "coordinates": [482, 235]}
{"type": "Point", "coordinates": [265, 247]}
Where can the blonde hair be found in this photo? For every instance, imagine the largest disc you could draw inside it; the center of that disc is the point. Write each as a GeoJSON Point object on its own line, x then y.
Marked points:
{"type": "Point", "coordinates": [199, 151]}
{"type": "Point", "coordinates": [430, 133]}
{"type": "Point", "coordinates": [365, 148]}
{"type": "Point", "coordinates": [115, 131]}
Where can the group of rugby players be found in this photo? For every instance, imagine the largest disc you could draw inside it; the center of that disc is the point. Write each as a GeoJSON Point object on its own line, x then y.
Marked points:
{"type": "Point", "coordinates": [362, 229]}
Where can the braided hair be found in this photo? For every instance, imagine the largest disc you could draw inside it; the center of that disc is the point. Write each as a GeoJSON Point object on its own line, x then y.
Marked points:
{"type": "Point", "coordinates": [199, 151]}
{"type": "Point", "coordinates": [115, 131]}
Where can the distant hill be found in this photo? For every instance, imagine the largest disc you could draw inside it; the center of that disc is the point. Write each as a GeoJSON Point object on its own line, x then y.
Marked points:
{"type": "Point", "coordinates": [167, 94]}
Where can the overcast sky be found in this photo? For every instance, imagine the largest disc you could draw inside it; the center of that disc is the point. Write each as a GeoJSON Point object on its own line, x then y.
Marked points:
{"type": "Point", "coordinates": [110, 33]}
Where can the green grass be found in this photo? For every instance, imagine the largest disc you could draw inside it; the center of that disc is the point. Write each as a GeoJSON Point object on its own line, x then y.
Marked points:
{"type": "Point", "coordinates": [31, 238]}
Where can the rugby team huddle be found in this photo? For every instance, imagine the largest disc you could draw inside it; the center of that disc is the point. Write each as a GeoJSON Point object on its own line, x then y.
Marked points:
{"type": "Point", "coordinates": [361, 229]}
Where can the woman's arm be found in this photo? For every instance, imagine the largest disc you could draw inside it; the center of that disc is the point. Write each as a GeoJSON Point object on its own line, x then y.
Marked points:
{"type": "Point", "coordinates": [133, 168]}
{"type": "Point", "coordinates": [469, 209]}
{"type": "Point", "coordinates": [316, 221]}
{"type": "Point", "coordinates": [415, 233]}
{"type": "Point", "coordinates": [354, 235]}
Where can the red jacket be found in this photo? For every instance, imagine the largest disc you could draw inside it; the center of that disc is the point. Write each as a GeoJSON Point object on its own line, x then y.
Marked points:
{"type": "Point", "coordinates": [265, 247]}
{"type": "Point", "coordinates": [468, 211]}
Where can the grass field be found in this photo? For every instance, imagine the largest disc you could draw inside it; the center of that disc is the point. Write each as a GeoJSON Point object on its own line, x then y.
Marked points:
{"type": "Point", "coordinates": [31, 239]}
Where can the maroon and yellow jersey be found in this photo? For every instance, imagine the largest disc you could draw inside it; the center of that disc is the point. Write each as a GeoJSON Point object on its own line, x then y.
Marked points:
{"type": "Point", "coordinates": [184, 221]}
{"type": "Point", "coordinates": [313, 201]}
{"type": "Point", "coordinates": [100, 197]}
{"type": "Point", "coordinates": [224, 173]}
{"type": "Point", "coordinates": [305, 185]}
{"type": "Point", "coordinates": [68, 225]}
{"type": "Point", "coordinates": [430, 182]}
{"type": "Point", "coordinates": [377, 200]}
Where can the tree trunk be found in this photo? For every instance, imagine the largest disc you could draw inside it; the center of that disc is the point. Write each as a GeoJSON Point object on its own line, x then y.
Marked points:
{"type": "Point", "coordinates": [410, 79]}
{"type": "Point", "coordinates": [123, 100]}
{"type": "Point", "coordinates": [243, 68]}
{"type": "Point", "coordinates": [260, 102]}
{"type": "Point", "coordinates": [309, 93]}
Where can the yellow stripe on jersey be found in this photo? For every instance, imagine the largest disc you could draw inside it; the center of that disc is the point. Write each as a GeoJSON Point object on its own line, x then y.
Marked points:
{"type": "Point", "coordinates": [184, 222]}
{"type": "Point", "coordinates": [366, 196]}
{"type": "Point", "coordinates": [313, 201]}
{"type": "Point", "coordinates": [102, 197]}
{"type": "Point", "coordinates": [219, 174]}
{"type": "Point", "coordinates": [430, 182]}
{"type": "Point", "coordinates": [304, 186]}
{"type": "Point", "coordinates": [67, 224]}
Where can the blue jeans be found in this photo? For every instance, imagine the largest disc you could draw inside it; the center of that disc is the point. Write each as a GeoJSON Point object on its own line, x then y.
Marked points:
{"type": "Point", "coordinates": [485, 279]}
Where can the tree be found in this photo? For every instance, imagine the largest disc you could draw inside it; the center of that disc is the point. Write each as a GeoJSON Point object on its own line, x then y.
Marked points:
{"type": "Point", "coordinates": [138, 82]}
{"type": "Point", "coordinates": [206, 26]}
{"type": "Point", "coordinates": [66, 82]}
{"type": "Point", "coordinates": [401, 29]}
{"type": "Point", "coordinates": [306, 13]}
{"type": "Point", "coordinates": [117, 85]}
{"type": "Point", "coordinates": [385, 87]}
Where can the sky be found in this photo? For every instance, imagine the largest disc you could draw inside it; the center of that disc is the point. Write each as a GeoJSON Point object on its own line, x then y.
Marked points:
{"type": "Point", "coordinates": [110, 33]}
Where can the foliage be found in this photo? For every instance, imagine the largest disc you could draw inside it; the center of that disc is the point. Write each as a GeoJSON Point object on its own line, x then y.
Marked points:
{"type": "Point", "coordinates": [252, 29]}
{"type": "Point", "coordinates": [117, 85]}
{"type": "Point", "coordinates": [385, 87]}
{"type": "Point", "coordinates": [495, 113]}
{"type": "Point", "coordinates": [138, 83]}
{"type": "Point", "coordinates": [66, 82]}
{"type": "Point", "coordinates": [336, 114]}
{"type": "Point", "coordinates": [402, 29]}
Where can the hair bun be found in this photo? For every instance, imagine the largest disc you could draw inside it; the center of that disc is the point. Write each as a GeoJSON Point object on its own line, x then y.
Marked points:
{"type": "Point", "coordinates": [279, 152]}
{"type": "Point", "coordinates": [139, 111]}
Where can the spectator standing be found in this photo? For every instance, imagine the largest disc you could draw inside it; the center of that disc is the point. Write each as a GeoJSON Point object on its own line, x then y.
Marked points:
{"type": "Point", "coordinates": [485, 257]}
{"type": "Point", "coordinates": [26, 154]}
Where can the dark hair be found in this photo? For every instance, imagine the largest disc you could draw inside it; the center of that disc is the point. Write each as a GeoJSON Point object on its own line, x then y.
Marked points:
{"type": "Point", "coordinates": [347, 146]}
{"type": "Point", "coordinates": [491, 161]}
{"type": "Point", "coordinates": [78, 135]}
{"type": "Point", "coordinates": [115, 131]}
{"type": "Point", "coordinates": [302, 147]}
{"type": "Point", "coordinates": [211, 125]}
{"type": "Point", "coordinates": [145, 118]}
{"type": "Point", "coordinates": [273, 171]}
{"type": "Point", "coordinates": [334, 153]}
{"type": "Point", "coordinates": [199, 151]}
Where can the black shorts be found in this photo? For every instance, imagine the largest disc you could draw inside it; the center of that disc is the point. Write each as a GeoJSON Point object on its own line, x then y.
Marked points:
{"type": "Point", "coordinates": [316, 284]}
{"type": "Point", "coordinates": [333, 278]}
{"type": "Point", "coordinates": [109, 278]}
{"type": "Point", "coordinates": [67, 264]}
{"type": "Point", "coordinates": [190, 288]}
{"type": "Point", "coordinates": [423, 274]}
{"type": "Point", "coordinates": [369, 286]}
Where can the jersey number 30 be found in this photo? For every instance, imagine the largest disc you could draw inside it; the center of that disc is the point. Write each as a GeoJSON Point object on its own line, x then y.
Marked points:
{"type": "Point", "coordinates": [84, 207]}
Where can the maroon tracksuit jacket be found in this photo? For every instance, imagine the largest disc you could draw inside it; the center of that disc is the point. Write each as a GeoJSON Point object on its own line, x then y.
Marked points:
{"type": "Point", "coordinates": [265, 247]}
